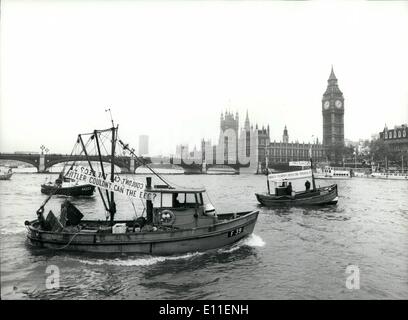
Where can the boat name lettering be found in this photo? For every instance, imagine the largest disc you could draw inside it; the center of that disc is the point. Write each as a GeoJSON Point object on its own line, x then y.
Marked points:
{"type": "Point", "coordinates": [235, 232]}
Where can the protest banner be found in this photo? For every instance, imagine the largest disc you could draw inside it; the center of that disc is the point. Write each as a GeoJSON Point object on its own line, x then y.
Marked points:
{"type": "Point", "coordinates": [122, 185]}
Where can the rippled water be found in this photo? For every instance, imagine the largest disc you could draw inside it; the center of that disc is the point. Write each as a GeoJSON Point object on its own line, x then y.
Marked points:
{"type": "Point", "coordinates": [294, 253]}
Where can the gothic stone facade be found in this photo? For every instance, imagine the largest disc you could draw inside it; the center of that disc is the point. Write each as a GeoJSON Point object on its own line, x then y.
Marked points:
{"type": "Point", "coordinates": [285, 151]}
{"type": "Point", "coordinates": [333, 118]}
{"type": "Point", "coordinates": [258, 140]}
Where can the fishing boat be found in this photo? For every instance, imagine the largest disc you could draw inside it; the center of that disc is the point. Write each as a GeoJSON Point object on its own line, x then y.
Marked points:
{"type": "Point", "coordinates": [67, 187]}
{"type": "Point", "coordinates": [175, 220]}
{"type": "Point", "coordinates": [333, 173]}
{"type": "Point", "coordinates": [6, 175]}
{"type": "Point", "coordinates": [293, 189]}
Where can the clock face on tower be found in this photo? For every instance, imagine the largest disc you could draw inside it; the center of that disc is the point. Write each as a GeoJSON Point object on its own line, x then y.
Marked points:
{"type": "Point", "coordinates": [326, 105]}
{"type": "Point", "coordinates": [338, 104]}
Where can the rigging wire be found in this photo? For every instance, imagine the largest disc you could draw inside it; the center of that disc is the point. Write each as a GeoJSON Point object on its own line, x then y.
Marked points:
{"type": "Point", "coordinates": [126, 147]}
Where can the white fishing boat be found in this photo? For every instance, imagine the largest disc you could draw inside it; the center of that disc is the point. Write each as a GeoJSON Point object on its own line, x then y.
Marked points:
{"type": "Point", "coordinates": [390, 175]}
{"type": "Point", "coordinates": [332, 173]}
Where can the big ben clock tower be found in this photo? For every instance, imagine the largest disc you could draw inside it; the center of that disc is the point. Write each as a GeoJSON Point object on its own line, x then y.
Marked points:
{"type": "Point", "coordinates": [333, 119]}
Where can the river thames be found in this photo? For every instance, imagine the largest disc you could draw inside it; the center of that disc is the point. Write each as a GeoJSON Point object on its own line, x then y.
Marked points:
{"type": "Point", "coordinates": [294, 253]}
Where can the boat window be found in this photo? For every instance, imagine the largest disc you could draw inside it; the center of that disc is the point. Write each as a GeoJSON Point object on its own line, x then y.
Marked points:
{"type": "Point", "coordinates": [190, 198]}
{"type": "Point", "coordinates": [184, 199]}
{"type": "Point", "coordinates": [167, 200]}
{"type": "Point", "coordinates": [179, 199]}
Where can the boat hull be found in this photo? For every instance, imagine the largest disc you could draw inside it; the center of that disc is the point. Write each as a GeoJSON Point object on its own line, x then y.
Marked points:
{"type": "Point", "coordinates": [81, 190]}
{"type": "Point", "coordinates": [322, 196]}
{"type": "Point", "coordinates": [155, 243]}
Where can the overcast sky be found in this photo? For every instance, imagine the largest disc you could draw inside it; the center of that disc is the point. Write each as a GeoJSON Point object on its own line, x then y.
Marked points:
{"type": "Point", "coordinates": [168, 69]}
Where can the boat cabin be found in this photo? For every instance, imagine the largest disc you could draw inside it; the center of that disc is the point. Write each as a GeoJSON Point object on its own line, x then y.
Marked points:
{"type": "Point", "coordinates": [181, 208]}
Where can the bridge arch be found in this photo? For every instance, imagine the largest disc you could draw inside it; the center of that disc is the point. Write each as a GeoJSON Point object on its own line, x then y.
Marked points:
{"type": "Point", "coordinates": [33, 159]}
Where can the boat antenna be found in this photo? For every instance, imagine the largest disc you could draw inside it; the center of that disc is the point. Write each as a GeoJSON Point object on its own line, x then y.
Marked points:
{"type": "Point", "coordinates": [110, 113]}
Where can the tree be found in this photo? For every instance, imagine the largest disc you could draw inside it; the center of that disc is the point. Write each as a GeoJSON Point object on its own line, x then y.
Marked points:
{"type": "Point", "coordinates": [379, 150]}
{"type": "Point", "coordinates": [336, 153]}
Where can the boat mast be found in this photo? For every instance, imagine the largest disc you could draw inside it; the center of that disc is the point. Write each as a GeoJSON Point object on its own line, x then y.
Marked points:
{"type": "Point", "coordinates": [311, 168]}
{"type": "Point", "coordinates": [112, 207]}
{"type": "Point", "coordinates": [266, 169]}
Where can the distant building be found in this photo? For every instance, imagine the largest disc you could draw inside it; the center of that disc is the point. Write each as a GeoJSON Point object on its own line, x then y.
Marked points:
{"type": "Point", "coordinates": [182, 151]}
{"type": "Point", "coordinates": [396, 138]}
{"type": "Point", "coordinates": [143, 145]}
{"type": "Point", "coordinates": [228, 145]}
{"type": "Point", "coordinates": [257, 141]}
{"type": "Point", "coordinates": [285, 151]}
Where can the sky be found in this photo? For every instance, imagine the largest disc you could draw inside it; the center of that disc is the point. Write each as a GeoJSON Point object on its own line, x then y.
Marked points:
{"type": "Point", "coordinates": [168, 69]}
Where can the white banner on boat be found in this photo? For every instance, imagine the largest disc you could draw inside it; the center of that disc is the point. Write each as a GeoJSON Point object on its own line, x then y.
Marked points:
{"type": "Point", "coordinates": [291, 175]}
{"type": "Point", "coordinates": [296, 178]}
{"type": "Point", "coordinates": [122, 185]}
{"type": "Point", "coordinates": [299, 163]}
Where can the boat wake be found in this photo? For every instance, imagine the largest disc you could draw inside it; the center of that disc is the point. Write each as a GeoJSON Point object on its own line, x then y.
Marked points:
{"type": "Point", "coordinates": [139, 262]}
{"type": "Point", "coordinates": [252, 241]}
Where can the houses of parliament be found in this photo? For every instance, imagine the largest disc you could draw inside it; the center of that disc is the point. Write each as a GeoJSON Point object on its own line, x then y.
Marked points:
{"type": "Point", "coordinates": [269, 152]}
